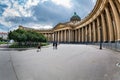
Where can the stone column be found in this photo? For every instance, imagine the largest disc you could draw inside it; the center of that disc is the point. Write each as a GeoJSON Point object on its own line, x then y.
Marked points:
{"type": "Point", "coordinates": [51, 37]}
{"type": "Point", "coordinates": [54, 36]}
{"type": "Point", "coordinates": [82, 34]}
{"type": "Point", "coordinates": [103, 28]}
{"type": "Point", "coordinates": [61, 36]}
{"type": "Point", "coordinates": [85, 34]}
{"type": "Point", "coordinates": [75, 35]}
{"type": "Point", "coordinates": [98, 29]}
{"type": "Point", "coordinates": [48, 36]}
{"type": "Point", "coordinates": [45, 35]}
{"type": "Point", "coordinates": [119, 1]}
{"type": "Point", "coordinates": [65, 36]}
{"type": "Point", "coordinates": [110, 27]}
{"type": "Point", "coordinates": [78, 35]}
{"type": "Point", "coordinates": [69, 38]}
{"type": "Point", "coordinates": [94, 32]}
{"type": "Point", "coordinates": [73, 32]}
{"type": "Point", "coordinates": [58, 36]}
{"type": "Point", "coordinates": [89, 33]}
{"type": "Point", "coordinates": [72, 37]}
{"type": "Point", "coordinates": [117, 5]}
{"type": "Point", "coordinates": [116, 18]}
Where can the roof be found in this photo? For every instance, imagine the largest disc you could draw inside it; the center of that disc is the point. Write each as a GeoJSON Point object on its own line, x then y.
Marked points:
{"type": "Point", "coordinates": [3, 33]}
{"type": "Point", "coordinates": [75, 17]}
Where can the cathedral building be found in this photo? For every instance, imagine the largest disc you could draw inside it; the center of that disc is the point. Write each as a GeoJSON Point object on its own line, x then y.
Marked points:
{"type": "Point", "coordinates": [101, 25]}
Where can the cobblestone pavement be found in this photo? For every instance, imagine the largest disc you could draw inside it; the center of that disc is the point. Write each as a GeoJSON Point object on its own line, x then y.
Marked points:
{"type": "Point", "coordinates": [67, 62]}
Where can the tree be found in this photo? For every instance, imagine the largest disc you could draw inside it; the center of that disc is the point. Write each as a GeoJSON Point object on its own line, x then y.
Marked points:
{"type": "Point", "coordinates": [21, 36]}
{"type": "Point", "coordinates": [1, 39]}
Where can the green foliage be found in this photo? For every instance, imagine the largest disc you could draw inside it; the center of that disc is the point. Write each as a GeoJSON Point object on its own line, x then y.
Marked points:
{"type": "Point", "coordinates": [26, 37]}
{"type": "Point", "coordinates": [1, 38]}
{"type": "Point", "coordinates": [3, 42]}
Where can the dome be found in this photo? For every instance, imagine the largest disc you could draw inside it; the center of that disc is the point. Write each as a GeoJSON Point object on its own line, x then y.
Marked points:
{"type": "Point", "coordinates": [75, 17]}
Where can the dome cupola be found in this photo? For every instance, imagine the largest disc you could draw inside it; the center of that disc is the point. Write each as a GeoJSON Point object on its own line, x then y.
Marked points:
{"type": "Point", "coordinates": [75, 17]}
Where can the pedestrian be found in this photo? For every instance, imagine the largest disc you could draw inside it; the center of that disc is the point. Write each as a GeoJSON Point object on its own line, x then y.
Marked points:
{"type": "Point", "coordinates": [39, 47]}
{"type": "Point", "coordinates": [55, 45]}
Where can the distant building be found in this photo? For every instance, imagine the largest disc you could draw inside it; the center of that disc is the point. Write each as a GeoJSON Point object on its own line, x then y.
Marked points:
{"type": "Point", "coordinates": [4, 35]}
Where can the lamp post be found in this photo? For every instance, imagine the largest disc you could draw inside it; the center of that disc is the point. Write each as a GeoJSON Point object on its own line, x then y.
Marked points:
{"type": "Point", "coordinates": [100, 37]}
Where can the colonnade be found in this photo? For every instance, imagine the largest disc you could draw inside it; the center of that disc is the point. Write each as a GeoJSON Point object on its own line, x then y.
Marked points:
{"type": "Point", "coordinates": [49, 36]}
{"type": "Point", "coordinates": [63, 35]}
{"type": "Point", "coordinates": [103, 23]}
{"type": "Point", "coordinates": [105, 17]}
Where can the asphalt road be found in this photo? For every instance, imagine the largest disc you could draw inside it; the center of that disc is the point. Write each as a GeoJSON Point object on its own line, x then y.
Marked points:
{"type": "Point", "coordinates": [68, 62]}
{"type": "Point", "coordinates": [6, 66]}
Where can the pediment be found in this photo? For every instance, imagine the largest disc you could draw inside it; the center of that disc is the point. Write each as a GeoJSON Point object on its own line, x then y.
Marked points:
{"type": "Point", "coordinates": [61, 26]}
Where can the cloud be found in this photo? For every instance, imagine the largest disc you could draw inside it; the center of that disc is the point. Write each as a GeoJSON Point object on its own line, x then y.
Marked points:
{"type": "Point", "coordinates": [42, 13]}
{"type": "Point", "coordinates": [50, 13]}
{"type": "Point", "coordinates": [64, 3]}
{"type": "Point", "coordinates": [39, 26]}
{"type": "Point", "coordinates": [83, 7]}
{"type": "Point", "coordinates": [2, 8]}
{"type": "Point", "coordinates": [3, 28]}
{"type": "Point", "coordinates": [93, 1]}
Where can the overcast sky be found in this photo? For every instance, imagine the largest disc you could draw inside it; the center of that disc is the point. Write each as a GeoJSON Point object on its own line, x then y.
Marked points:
{"type": "Point", "coordinates": [40, 13]}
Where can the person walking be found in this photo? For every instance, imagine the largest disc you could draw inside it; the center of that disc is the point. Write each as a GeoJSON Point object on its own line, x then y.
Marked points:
{"type": "Point", "coordinates": [55, 45]}
{"type": "Point", "coordinates": [39, 47]}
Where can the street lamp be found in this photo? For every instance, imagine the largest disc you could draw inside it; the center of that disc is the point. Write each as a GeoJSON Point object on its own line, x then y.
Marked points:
{"type": "Point", "coordinates": [100, 37]}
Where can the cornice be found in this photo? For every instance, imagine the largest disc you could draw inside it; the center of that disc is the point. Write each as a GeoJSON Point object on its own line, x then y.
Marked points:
{"type": "Point", "coordinates": [99, 7]}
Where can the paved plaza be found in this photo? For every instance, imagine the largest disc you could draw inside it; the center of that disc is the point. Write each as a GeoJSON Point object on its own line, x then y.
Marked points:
{"type": "Point", "coordinates": [68, 62]}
